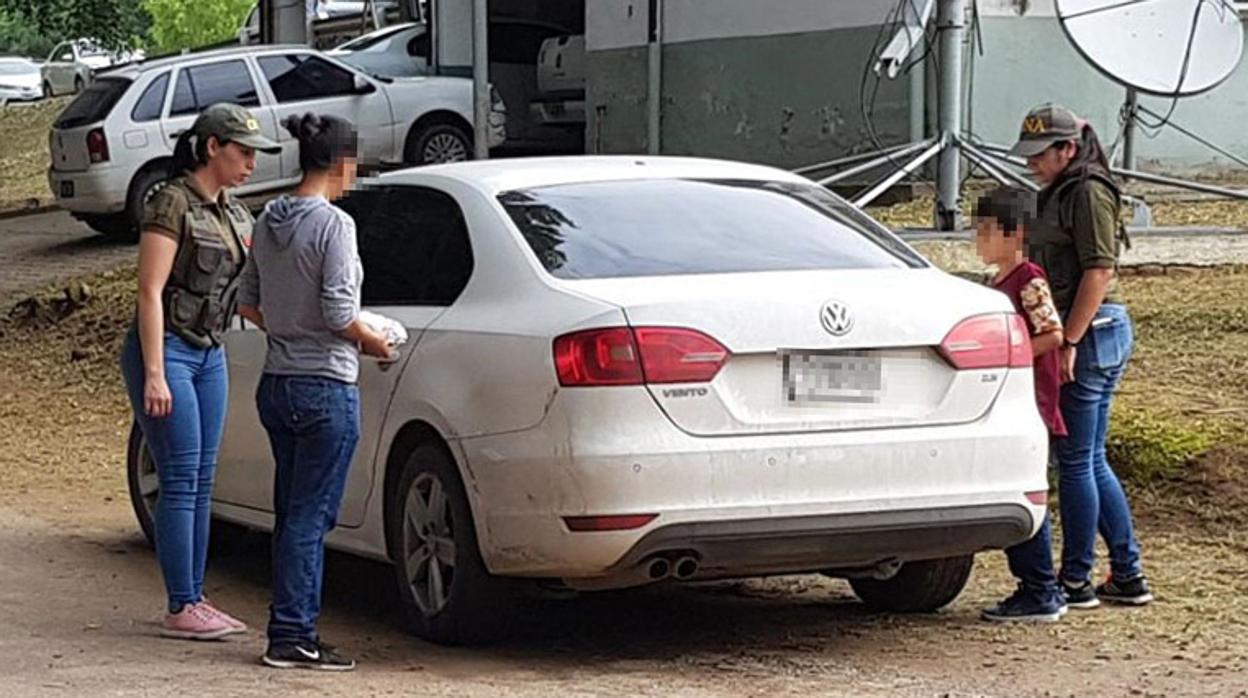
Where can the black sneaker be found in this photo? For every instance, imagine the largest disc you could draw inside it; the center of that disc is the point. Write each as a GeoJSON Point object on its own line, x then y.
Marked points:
{"type": "Point", "coordinates": [306, 655]}
{"type": "Point", "coordinates": [1028, 605]}
{"type": "Point", "coordinates": [1081, 596]}
{"type": "Point", "coordinates": [1131, 592]}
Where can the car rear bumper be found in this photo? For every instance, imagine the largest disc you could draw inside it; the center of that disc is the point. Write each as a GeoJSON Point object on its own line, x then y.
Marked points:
{"type": "Point", "coordinates": [751, 505]}
{"type": "Point", "coordinates": [98, 190]}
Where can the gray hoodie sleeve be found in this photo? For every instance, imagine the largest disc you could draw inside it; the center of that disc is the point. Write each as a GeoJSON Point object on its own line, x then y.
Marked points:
{"type": "Point", "coordinates": [340, 274]}
{"type": "Point", "coordinates": [249, 283]}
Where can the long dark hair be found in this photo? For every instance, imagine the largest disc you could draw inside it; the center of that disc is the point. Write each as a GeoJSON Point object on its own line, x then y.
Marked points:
{"type": "Point", "coordinates": [187, 157]}
{"type": "Point", "coordinates": [323, 140]}
{"type": "Point", "coordinates": [1090, 156]}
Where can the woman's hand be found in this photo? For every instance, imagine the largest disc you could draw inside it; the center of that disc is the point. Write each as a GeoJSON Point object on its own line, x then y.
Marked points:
{"type": "Point", "coordinates": [1068, 364]}
{"type": "Point", "coordinates": [375, 344]}
{"type": "Point", "coordinates": [157, 400]}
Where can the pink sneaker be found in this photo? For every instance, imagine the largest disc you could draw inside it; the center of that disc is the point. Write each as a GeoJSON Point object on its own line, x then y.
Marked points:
{"type": "Point", "coordinates": [230, 620]}
{"type": "Point", "coordinates": [195, 623]}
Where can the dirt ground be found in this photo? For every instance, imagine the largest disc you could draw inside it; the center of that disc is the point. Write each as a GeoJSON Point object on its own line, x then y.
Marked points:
{"type": "Point", "coordinates": [80, 593]}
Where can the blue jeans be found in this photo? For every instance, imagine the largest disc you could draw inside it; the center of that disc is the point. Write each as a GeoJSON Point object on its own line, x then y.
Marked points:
{"type": "Point", "coordinates": [1031, 562]}
{"type": "Point", "coordinates": [1092, 498]}
{"type": "Point", "coordinates": [313, 425]}
{"type": "Point", "coordinates": [184, 448]}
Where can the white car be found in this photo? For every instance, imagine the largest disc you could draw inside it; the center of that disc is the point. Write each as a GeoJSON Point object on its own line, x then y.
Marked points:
{"type": "Point", "coordinates": [112, 147]}
{"type": "Point", "coordinates": [624, 370]}
{"type": "Point", "coordinates": [20, 80]}
{"type": "Point", "coordinates": [399, 50]}
{"type": "Point", "coordinates": [72, 64]}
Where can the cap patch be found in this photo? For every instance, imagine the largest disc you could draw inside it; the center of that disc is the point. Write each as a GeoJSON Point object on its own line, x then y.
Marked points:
{"type": "Point", "coordinates": [1033, 125]}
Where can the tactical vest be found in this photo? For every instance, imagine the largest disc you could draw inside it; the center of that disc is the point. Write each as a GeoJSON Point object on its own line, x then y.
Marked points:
{"type": "Point", "coordinates": [1051, 240]}
{"type": "Point", "coordinates": [200, 295]}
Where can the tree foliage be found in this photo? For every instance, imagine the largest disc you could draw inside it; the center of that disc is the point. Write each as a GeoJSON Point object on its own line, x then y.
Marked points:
{"type": "Point", "coordinates": [183, 24]}
{"type": "Point", "coordinates": [114, 23]}
{"type": "Point", "coordinates": [19, 38]}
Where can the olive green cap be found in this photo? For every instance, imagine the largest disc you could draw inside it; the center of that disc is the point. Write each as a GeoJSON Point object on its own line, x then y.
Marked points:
{"type": "Point", "coordinates": [1042, 127]}
{"type": "Point", "coordinates": [232, 123]}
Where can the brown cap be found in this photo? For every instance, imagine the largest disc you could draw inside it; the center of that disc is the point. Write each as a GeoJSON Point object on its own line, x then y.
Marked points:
{"type": "Point", "coordinates": [1042, 127]}
{"type": "Point", "coordinates": [230, 122]}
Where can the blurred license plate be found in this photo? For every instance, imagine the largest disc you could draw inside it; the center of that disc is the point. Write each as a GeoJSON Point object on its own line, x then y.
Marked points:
{"type": "Point", "coordinates": [67, 189]}
{"type": "Point", "coordinates": [815, 377]}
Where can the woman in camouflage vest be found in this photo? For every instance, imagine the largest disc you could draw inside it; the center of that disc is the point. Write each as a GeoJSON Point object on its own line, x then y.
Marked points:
{"type": "Point", "coordinates": [191, 252]}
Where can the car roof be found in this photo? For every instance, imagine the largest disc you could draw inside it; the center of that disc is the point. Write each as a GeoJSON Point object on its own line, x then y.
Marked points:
{"type": "Point", "coordinates": [139, 67]}
{"type": "Point", "coordinates": [497, 176]}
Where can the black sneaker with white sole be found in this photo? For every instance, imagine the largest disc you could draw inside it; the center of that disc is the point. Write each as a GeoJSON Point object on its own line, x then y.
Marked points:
{"type": "Point", "coordinates": [1081, 596]}
{"type": "Point", "coordinates": [1130, 592]}
{"type": "Point", "coordinates": [306, 655]}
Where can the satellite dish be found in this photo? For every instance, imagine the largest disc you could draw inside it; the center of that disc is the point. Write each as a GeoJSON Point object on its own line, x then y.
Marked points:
{"type": "Point", "coordinates": [1170, 48]}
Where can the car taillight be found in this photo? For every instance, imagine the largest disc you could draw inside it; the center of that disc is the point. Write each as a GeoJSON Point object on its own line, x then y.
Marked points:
{"type": "Point", "coordinates": [633, 356]}
{"type": "Point", "coordinates": [999, 340]}
{"type": "Point", "coordinates": [97, 145]}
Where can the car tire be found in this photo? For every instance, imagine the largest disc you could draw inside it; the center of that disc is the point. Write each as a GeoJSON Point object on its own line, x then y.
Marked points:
{"type": "Point", "coordinates": [47, 89]}
{"type": "Point", "coordinates": [446, 592]}
{"type": "Point", "coordinates": [142, 481]}
{"type": "Point", "coordinates": [437, 143]}
{"type": "Point", "coordinates": [79, 85]}
{"type": "Point", "coordinates": [918, 587]}
{"type": "Point", "coordinates": [144, 186]}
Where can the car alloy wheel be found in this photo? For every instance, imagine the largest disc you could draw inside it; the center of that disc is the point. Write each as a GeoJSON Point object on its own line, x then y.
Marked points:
{"type": "Point", "coordinates": [428, 544]}
{"type": "Point", "coordinates": [445, 147]}
{"type": "Point", "coordinates": [144, 485]}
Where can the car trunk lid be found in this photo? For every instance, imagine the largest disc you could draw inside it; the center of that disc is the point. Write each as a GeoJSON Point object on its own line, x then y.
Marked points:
{"type": "Point", "coordinates": [815, 350]}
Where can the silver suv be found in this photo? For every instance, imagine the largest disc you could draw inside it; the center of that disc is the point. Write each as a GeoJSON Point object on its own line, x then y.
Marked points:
{"type": "Point", "coordinates": [112, 147]}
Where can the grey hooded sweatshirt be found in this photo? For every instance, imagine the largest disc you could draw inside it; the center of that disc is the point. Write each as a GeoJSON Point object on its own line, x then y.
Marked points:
{"type": "Point", "coordinates": [304, 275]}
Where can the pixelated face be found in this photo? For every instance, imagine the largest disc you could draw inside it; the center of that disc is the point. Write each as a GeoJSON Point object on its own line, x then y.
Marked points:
{"type": "Point", "coordinates": [342, 177]}
{"type": "Point", "coordinates": [993, 243]}
{"type": "Point", "coordinates": [1052, 161]}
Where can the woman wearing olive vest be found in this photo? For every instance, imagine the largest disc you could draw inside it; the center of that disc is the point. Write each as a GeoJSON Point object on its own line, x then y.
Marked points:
{"type": "Point", "coordinates": [1077, 240]}
{"type": "Point", "coordinates": [191, 252]}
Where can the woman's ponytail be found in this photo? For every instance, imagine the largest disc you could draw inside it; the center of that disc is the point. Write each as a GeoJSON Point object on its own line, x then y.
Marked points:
{"type": "Point", "coordinates": [184, 157]}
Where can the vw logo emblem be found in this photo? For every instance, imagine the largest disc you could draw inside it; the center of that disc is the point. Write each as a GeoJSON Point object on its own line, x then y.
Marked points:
{"type": "Point", "coordinates": [836, 319]}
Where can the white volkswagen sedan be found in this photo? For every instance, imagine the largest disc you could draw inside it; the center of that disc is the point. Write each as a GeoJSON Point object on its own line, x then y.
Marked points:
{"type": "Point", "coordinates": [624, 370]}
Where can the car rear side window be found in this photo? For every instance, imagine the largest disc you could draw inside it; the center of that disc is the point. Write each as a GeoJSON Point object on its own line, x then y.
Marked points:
{"type": "Point", "coordinates": [152, 100]}
{"type": "Point", "coordinates": [657, 227]}
{"type": "Point", "coordinates": [93, 103]}
{"type": "Point", "coordinates": [299, 77]}
{"type": "Point", "coordinates": [413, 243]}
{"type": "Point", "coordinates": [201, 86]}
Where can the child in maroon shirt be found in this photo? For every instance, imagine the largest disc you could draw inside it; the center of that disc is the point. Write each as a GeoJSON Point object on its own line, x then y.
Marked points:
{"type": "Point", "coordinates": [1001, 218]}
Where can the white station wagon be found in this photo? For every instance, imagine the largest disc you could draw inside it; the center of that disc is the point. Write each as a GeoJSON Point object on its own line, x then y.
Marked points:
{"type": "Point", "coordinates": [628, 370]}
{"type": "Point", "coordinates": [112, 147]}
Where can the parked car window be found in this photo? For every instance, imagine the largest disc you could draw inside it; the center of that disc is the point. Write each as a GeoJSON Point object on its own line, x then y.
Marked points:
{"type": "Point", "coordinates": [149, 106]}
{"type": "Point", "coordinates": [680, 226]}
{"type": "Point", "coordinates": [299, 77]}
{"type": "Point", "coordinates": [64, 54]}
{"type": "Point", "coordinates": [201, 86]}
{"type": "Point", "coordinates": [418, 47]}
{"type": "Point", "coordinates": [413, 243]}
{"type": "Point", "coordinates": [93, 103]}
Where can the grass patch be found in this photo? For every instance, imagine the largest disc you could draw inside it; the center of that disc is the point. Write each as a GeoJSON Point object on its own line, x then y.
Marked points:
{"type": "Point", "coordinates": [24, 157]}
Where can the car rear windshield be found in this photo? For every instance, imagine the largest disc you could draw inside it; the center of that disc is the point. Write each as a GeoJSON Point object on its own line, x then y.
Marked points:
{"type": "Point", "coordinates": [94, 103]}
{"type": "Point", "coordinates": [661, 227]}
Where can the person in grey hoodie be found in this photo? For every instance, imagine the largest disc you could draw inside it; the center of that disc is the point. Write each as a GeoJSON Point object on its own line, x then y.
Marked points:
{"type": "Point", "coordinates": [301, 285]}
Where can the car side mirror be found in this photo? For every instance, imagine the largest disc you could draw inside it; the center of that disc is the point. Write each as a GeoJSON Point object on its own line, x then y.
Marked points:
{"type": "Point", "coordinates": [362, 86]}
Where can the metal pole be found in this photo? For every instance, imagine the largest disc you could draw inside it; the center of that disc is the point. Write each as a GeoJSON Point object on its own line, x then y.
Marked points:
{"type": "Point", "coordinates": [654, 86]}
{"type": "Point", "coordinates": [897, 176]}
{"type": "Point", "coordinates": [850, 159]}
{"type": "Point", "coordinates": [480, 79]}
{"type": "Point", "coordinates": [951, 24]}
{"type": "Point", "coordinates": [1180, 183]}
{"type": "Point", "coordinates": [985, 161]}
{"type": "Point", "coordinates": [876, 162]}
{"type": "Point", "coordinates": [1128, 130]}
